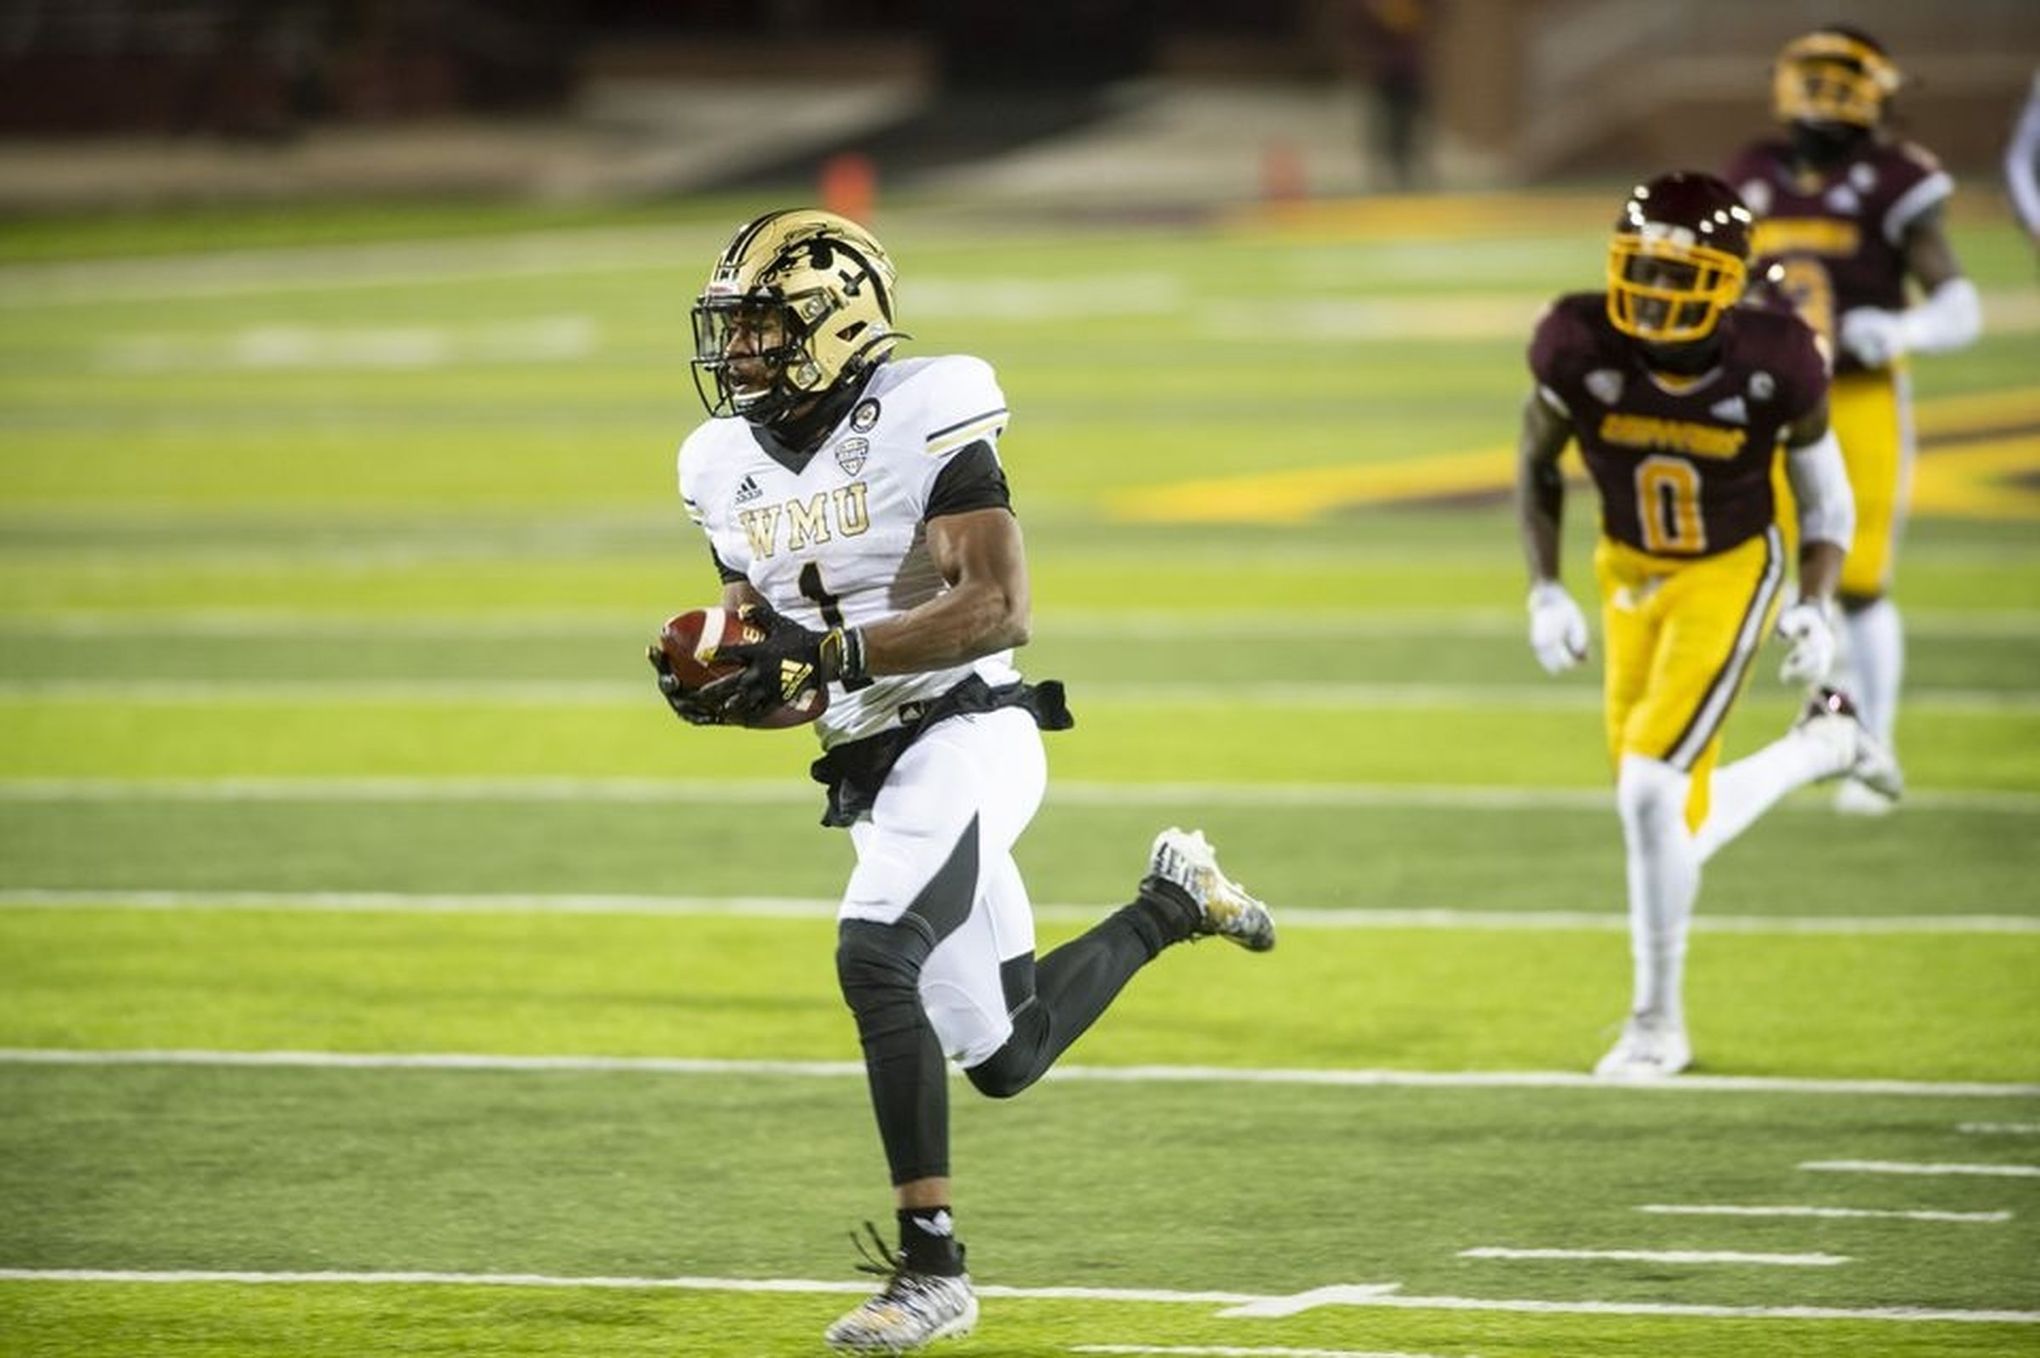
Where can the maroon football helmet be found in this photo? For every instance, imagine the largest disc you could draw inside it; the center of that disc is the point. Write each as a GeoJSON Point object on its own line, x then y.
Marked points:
{"type": "Point", "coordinates": [1679, 258]}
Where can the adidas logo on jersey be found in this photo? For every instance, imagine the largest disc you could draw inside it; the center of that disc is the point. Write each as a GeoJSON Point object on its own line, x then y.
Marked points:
{"type": "Point", "coordinates": [747, 491]}
{"type": "Point", "coordinates": [1731, 411]}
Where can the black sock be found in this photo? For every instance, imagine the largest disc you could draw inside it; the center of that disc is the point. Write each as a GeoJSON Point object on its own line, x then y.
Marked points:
{"type": "Point", "coordinates": [1168, 912]}
{"type": "Point", "coordinates": [928, 1240]}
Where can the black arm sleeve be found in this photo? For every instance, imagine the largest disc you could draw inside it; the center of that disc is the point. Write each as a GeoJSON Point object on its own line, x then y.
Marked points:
{"type": "Point", "coordinates": [729, 577]}
{"type": "Point", "coordinates": [973, 479]}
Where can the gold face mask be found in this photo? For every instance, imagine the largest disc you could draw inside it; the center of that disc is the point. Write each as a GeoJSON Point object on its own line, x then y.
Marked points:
{"type": "Point", "coordinates": [1662, 291]}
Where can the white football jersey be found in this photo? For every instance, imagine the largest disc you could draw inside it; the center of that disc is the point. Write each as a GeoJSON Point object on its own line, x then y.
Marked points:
{"type": "Point", "coordinates": [843, 540]}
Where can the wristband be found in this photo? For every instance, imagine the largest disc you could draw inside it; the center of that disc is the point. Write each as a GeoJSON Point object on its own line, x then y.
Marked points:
{"type": "Point", "coordinates": [842, 654]}
{"type": "Point", "coordinates": [853, 654]}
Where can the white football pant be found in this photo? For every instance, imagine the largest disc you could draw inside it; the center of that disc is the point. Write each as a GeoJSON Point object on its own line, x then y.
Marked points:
{"type": "Point", "coordinates": [990, 766]}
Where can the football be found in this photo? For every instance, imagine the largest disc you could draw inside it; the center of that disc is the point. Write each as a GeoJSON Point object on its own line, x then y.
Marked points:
{"type": "Point", "coordinates": [692, 640]}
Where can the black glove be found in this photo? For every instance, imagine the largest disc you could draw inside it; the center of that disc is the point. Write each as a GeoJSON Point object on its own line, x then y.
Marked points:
{"type": "Point", "coordinates": [787, 663]}
{"type": "Point", "coordinates": [690, 707]}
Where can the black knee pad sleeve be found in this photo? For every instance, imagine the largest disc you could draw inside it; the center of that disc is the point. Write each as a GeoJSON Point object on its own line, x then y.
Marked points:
{"type": "Point", "coordinates": [878, 966]}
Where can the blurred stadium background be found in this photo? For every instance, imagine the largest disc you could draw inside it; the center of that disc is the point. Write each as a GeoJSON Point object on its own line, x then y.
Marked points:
{"type": "Point", "coordinates": [1135, 103]}
{"type": "Point", "coordinates": [364, 915]}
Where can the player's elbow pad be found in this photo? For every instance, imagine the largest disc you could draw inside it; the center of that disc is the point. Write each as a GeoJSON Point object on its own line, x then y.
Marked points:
{"type": "Point", "coordinates": [1820, 487]}
{"type": "Point", "coordinates": [1951, 317]}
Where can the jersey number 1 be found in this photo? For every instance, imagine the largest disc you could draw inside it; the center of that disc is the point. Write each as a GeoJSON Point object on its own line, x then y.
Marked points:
{"type": "Point", "coordinates": [832, 611]}
{"type": "Point", "coordinates": [1668, 506]}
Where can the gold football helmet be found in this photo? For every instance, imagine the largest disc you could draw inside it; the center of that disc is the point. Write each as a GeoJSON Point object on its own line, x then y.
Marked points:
{"type": "Point", "coordinates": [799, 301]}
{"type": "Point", "coordinates": [1833, 75]}
{"type": "Point", "coordinates": [1678, 259]}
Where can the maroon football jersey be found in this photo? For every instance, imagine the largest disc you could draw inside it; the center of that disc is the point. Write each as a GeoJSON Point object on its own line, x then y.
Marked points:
{"type": "Point", "coordinates": [1838, 234]}
{"type": "Point", "coordinates": [1683, 467]}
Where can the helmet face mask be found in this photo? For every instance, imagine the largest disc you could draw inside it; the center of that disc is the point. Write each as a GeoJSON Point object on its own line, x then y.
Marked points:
{"type": "Point", "coordinates": [1833, 78]}
{"type": "Point", "coordinates": [1678, 259]}
{"type": "Point", "coordinates": [742, 349]}
{"type": "Point", "coordinates": [799, 303]}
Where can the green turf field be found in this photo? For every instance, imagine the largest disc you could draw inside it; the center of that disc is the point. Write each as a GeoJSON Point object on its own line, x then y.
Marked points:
{"type": "Point", "coordinates": [387, 972]}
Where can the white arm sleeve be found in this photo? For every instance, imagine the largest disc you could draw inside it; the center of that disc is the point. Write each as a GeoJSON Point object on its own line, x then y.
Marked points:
{"type": "Point", "coordinates": [1951, 317]}
{"type": "Point", "coordinates": [1820, 485]}
{"type": "Point", "coordinates": [2022, 163]}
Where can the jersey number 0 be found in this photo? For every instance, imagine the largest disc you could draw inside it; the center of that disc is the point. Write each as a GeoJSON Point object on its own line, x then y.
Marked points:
{"type": "Point", "coordinates": [1668, 506]}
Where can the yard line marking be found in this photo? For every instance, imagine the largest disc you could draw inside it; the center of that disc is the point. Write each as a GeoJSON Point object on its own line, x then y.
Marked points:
{"type": "Point", "coordinates": [1235, 1350]}
{"type": "Point", "coordinates": [301, 346]}
{"type": "Point", "coordinates": [2000, 1128]}
{"type": "Point", "coordinates": [1662, 1256]}
{"type": "Point", "coordinates": [1914, 1167]}
{"type": "Point", "coordinates": [332, 268]}
{"type": "Point", "coordinates": [1891, 1214]}
{"type": "Point", "coordinates": [1380, 1295]}
{"type": "Point", "coordinates": [468, 691]}
{"type": "Point", "coordinates": [1302, 915]}
{"type": "Point", "coordinates": [834, 1070]}
{"type": "Point", "coordinates": [799, 792]}
{"type": "Point", "coordinates": [1074, 624]}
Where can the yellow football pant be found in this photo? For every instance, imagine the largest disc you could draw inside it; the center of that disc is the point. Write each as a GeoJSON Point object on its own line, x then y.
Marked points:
{"type": "Point", "coordinates": [1871, 414]}
{"type": "Point", "coordinates": [1680, 634]}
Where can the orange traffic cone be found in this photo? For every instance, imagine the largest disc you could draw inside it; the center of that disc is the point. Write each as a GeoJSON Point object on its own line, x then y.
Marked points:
{"type": "Point", "coordinates": [1282, 174]}
{"type": "Point", "coordinates": [849, 185]}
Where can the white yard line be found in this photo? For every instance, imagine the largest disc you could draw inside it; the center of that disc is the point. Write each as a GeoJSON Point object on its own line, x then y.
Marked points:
{"type": "Point", "coordinates": [472, 691]}
{"type": "Point", "coordinates": [1239, 1350]}
{"type": "Point", "coordinates": [1914, 1167]}
{"type": "Point", "coordinates": [799, 791]}
{"type": "Point", "coordinates": [1074, 624]}
{"type": "Point", "coordinates": [1240, 1303]}
{"type": "Point", "coordinates": [1662, 1256]}
{"type": "Point", "coordinates": [333, 268]}
{"type": "Point", "coordinates": [821, 908]}
{"type": "Point", "coordinates": [1838, 1213]}
{"type": "Point", "coordinates": [2000, 1128]}
{"type": "Point", "coordinates": [848, 1070]}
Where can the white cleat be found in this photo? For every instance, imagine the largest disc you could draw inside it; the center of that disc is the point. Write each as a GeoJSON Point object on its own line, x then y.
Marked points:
{"type": "Point", "coordinates": [1872, 770]}
{"type": "Point", "coordinates": [1186, 859]}
{"type": "Point", "coordinates": [1651, 1047]}
{"type": "Point", "coordinates": [911, 1310]}
{"type": "Point", "coordinates": [1855, 798]}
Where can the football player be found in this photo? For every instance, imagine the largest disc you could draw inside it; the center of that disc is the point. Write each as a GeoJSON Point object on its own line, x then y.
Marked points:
{"type": "Point", "coordinates": [1845, 215]}
{"type": "Point", "coordinates": [858, 513]}
{"type": "Point", "coordinates": [1680, 400]}
{"type": "Point", "coordinates": [2022, 164]}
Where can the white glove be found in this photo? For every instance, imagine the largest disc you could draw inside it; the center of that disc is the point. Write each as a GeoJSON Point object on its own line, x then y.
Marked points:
{"type": "Point", "coordinates": [1808, 628]}
{"type": "Point", "coordinates": [1875, 337]}
{"type": "Point", "coordinates": [1558, 630]}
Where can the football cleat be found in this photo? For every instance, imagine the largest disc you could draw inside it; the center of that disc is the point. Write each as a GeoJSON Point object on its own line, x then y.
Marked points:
{"type": "Point", "coordinates": [1187, 860]}
{"type": "Point", "coordinates": [1652, 1046]}
{"type": "Point", "coordinates": [911, 1310]}
{"type": "Point", "coordinates": [1855, 798]}
{"type": "Point", "coordinates": [1830, 717]}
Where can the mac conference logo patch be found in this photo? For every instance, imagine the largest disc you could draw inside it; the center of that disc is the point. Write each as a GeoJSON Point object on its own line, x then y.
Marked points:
{"type": "Point", "coordinates": [865, 415]}
{"type": "Point", "coordinates": [1604, 385]}
{"type": "Point", "coordinates": [850, 455]}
